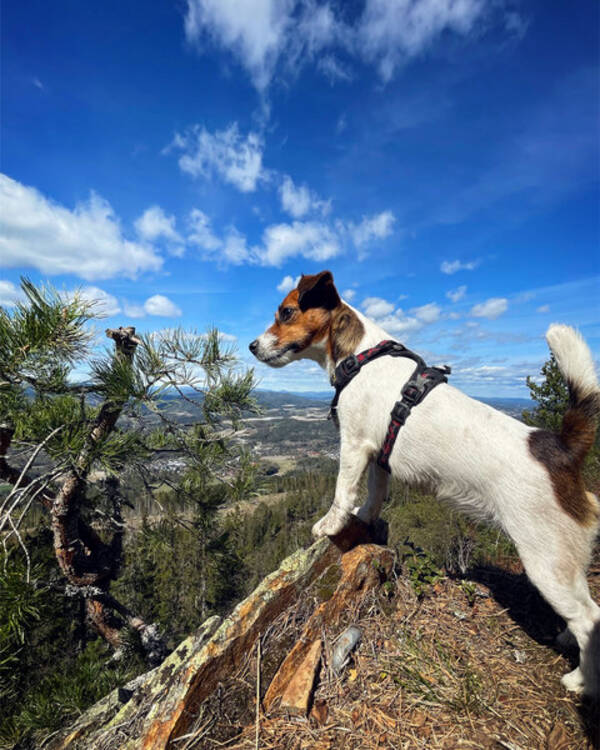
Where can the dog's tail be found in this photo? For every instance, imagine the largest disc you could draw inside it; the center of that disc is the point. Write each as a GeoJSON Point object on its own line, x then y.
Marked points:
{"type": "Point", "coordinates": [575, 362]}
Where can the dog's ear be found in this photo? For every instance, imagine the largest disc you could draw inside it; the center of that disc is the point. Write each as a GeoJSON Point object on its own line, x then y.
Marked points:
{"type": "Point", "coordinates": [318, 290]}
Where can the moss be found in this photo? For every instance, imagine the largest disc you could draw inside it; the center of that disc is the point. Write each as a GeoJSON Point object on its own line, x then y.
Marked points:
{"type": "Point", "coordinates": [327, 583]}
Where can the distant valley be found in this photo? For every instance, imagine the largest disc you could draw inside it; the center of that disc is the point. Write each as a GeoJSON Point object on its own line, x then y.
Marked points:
{"type": "Point", "coordinates": [292, 430]}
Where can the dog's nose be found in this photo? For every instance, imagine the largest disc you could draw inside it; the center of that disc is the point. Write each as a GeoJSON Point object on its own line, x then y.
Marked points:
{"type": "Point", "coordinates": [254, 346]}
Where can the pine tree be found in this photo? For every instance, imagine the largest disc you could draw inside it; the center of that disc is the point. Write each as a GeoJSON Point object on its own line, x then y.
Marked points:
{"type": "Point", "coordinates": [552, 397]}
{"type": "Point", "coordinates": [65, 446]}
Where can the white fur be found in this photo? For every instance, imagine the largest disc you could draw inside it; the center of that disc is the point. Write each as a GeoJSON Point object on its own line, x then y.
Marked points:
{"type": "Point", "coordinates": [573, 357]}
{"type": "Point", "coordinates": [477, 459]}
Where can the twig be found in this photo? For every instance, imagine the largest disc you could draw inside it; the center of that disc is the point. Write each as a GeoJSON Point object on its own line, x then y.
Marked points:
{"type": "Point", "coordinates": [257, 693]}
{"type": "Point", "coordinates": [28, 465]}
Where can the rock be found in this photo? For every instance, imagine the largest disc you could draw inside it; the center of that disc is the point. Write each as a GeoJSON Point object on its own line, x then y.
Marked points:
{"type": "Point", "coordinates": [345, 643]}
{"type": "Point", "coordinates": [362, 570]}
{"type": "Point", "coordinates": [199, 677]}
{"type": "Point", "coordinates": [297, 695]}
{"type": "Point", "coordinates": [110, 711]}
{"type": "Point", "coordinates": [358, 532]}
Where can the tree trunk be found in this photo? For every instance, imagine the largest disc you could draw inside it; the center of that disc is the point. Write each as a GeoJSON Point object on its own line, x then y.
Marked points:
{"type": "Point", "coordinates": [88, 563]}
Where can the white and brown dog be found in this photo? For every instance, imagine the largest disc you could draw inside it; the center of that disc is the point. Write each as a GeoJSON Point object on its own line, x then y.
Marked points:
{"type": "Point", "coordinates": [484, 462]}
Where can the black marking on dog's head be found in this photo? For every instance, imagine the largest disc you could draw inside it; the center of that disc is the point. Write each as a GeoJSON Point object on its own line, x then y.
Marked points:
{"type": "Point", "coordinates": [318, 290]}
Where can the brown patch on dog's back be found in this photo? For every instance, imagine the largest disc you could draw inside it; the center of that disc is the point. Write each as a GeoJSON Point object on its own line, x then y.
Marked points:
{"type": "Point", "coordinates": [564, 465]}
{"type": "Point", "coordinates": [345, 332]}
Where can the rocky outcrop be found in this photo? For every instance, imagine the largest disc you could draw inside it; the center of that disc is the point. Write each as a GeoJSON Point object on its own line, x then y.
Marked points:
{"type": "Point", "coordinates": [206, 687]}
{"type": "Point", "coordinates": [339, 659]}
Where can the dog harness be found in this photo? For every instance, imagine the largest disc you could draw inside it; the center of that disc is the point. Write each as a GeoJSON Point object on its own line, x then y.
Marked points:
{"type": "Point", "coordinates": [423, 380]}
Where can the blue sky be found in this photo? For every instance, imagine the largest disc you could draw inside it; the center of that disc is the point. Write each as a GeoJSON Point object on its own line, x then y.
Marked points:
{"type": "Point", "coordinates": [185, 161]}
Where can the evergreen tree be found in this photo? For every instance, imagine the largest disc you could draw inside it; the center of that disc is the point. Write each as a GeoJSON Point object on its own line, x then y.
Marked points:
{"type": "Point", "coordinates": [551, 396]}
{"type": "Point", "coordinates": [65, 446]}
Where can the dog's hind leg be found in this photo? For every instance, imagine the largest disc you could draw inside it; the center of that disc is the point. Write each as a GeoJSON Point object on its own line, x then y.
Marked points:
{"type": "Point", "coordinates": [379, 482]}
{"type": "Point", "coordinates": [353, 461]}
{"type": "Point", "coordinates": [562, 582]}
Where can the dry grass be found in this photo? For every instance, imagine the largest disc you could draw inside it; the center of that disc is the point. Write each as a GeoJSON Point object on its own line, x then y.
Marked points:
{"type": "Point", "coordinates": [468, 666]}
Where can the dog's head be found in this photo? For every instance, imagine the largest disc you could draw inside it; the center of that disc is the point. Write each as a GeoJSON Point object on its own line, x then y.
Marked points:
{"type": "Point", "coordinates": [302, 321]}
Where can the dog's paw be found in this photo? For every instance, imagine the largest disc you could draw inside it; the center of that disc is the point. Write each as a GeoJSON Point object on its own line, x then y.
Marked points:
{"type": "Point", "coordinates": [573, 681]}
{"type": "Point", "coordinates": [331, 524]}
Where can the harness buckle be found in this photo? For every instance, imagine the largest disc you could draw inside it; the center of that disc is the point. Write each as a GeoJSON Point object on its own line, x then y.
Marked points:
{"type": "Point", "coordinates": [411, 393]}
{"type": "Point", "coordinates": [346, 370]}
{"type": "Point", "coordinates": [400, 412]}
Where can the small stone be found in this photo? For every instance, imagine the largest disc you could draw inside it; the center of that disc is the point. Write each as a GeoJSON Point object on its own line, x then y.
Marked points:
{"type": "Point", "coordinates": [520, 656]}
{"type": "Point", "coordinates": [346, 642]}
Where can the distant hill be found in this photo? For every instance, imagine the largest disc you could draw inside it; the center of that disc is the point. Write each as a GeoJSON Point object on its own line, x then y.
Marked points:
{"type": "Point", "coordinates": [301, 399]}
{"type": "Point", "coordinates": [277, 399]}
{"type": "Point", "coordinates": [180, 409]}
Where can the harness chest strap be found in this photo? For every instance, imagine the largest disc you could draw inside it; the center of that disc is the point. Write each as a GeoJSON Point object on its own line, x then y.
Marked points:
{"type": "Point", "coordinates": [423, 380]}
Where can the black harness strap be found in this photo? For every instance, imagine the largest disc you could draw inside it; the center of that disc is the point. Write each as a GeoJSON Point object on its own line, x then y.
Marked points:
{"type": "Point", "coordinates": [423, 380]}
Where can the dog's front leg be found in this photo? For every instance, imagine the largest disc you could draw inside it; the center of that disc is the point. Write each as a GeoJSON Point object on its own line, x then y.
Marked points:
{"type": "Point", "coordinates": [353, 460]}
{"type": "Point", "coordinates": [379, 482]}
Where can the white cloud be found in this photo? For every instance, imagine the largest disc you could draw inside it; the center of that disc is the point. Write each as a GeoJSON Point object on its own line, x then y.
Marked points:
{"type": "Point", "coordinates": [315, 240]}
{"type": "Point", "coordinates": [299, 200]}
{"type": "Point", "coordinates": [427, 313]}
{"type": "Point", "coordinates": [526, 296]}
{"type": "Point", "coordinates": [333, 69]}
{"type": "Point", "coordinates": [154, 223]}
{"type": "Point", "coordinates": [87, 241]}
{"type": "Point", "coordinates": [490, 309]}
{"type": "Point", "coordinates": [310, 239]}
{"type": "Point", "coordinates": [105, 304]}
{"type": "Point", "coordinates": [230, 249]}
{"type": "Point", "coordinates": [392, 31]}
{"type": "Point", "coordinates": [378, 226]}
{"type": "Point", "coordinates": [10, 294]}
{"type": "Point", "coordinates": [455, 295]}
{"type": "Point", "coordinates": [287, 284]}
{"type": "Point", "coordinates": [543, 309]}
{"type": "Point", "coordinates": [395, 321]}
{"type": "Point", "coordinates": [235, 158]}
{"type": "Point", "coordinates": [400, 324]}
{"type": "Point", "coordinates": [160, 305]}
{"type": "Point", "coordinates": [229, 337]}
{"type": "Point", "coordinates": [269, 36]}
{"type": "Point", "coordinates": [376, 307]}
{"type": "Point", "coordinates": [201, 231]}
{"type": "Point", "coordinates": [349, 294]}
{"type": "Point", "coordinates": [134, 311]}
{"type": "Point", "coordinates": [254, 32]}
{"type": "Point", "coordinates": [235, 249]}
{"type": "Point", "coordinates": [452, 266]}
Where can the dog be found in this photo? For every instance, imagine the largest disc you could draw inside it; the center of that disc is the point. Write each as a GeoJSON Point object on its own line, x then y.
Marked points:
{"type": "Point", "coordinates": [493, 467]}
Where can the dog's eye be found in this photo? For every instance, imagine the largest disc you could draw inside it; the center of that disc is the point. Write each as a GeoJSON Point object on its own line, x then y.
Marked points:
{"type": "Point", "coordinates": [285, 314]}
